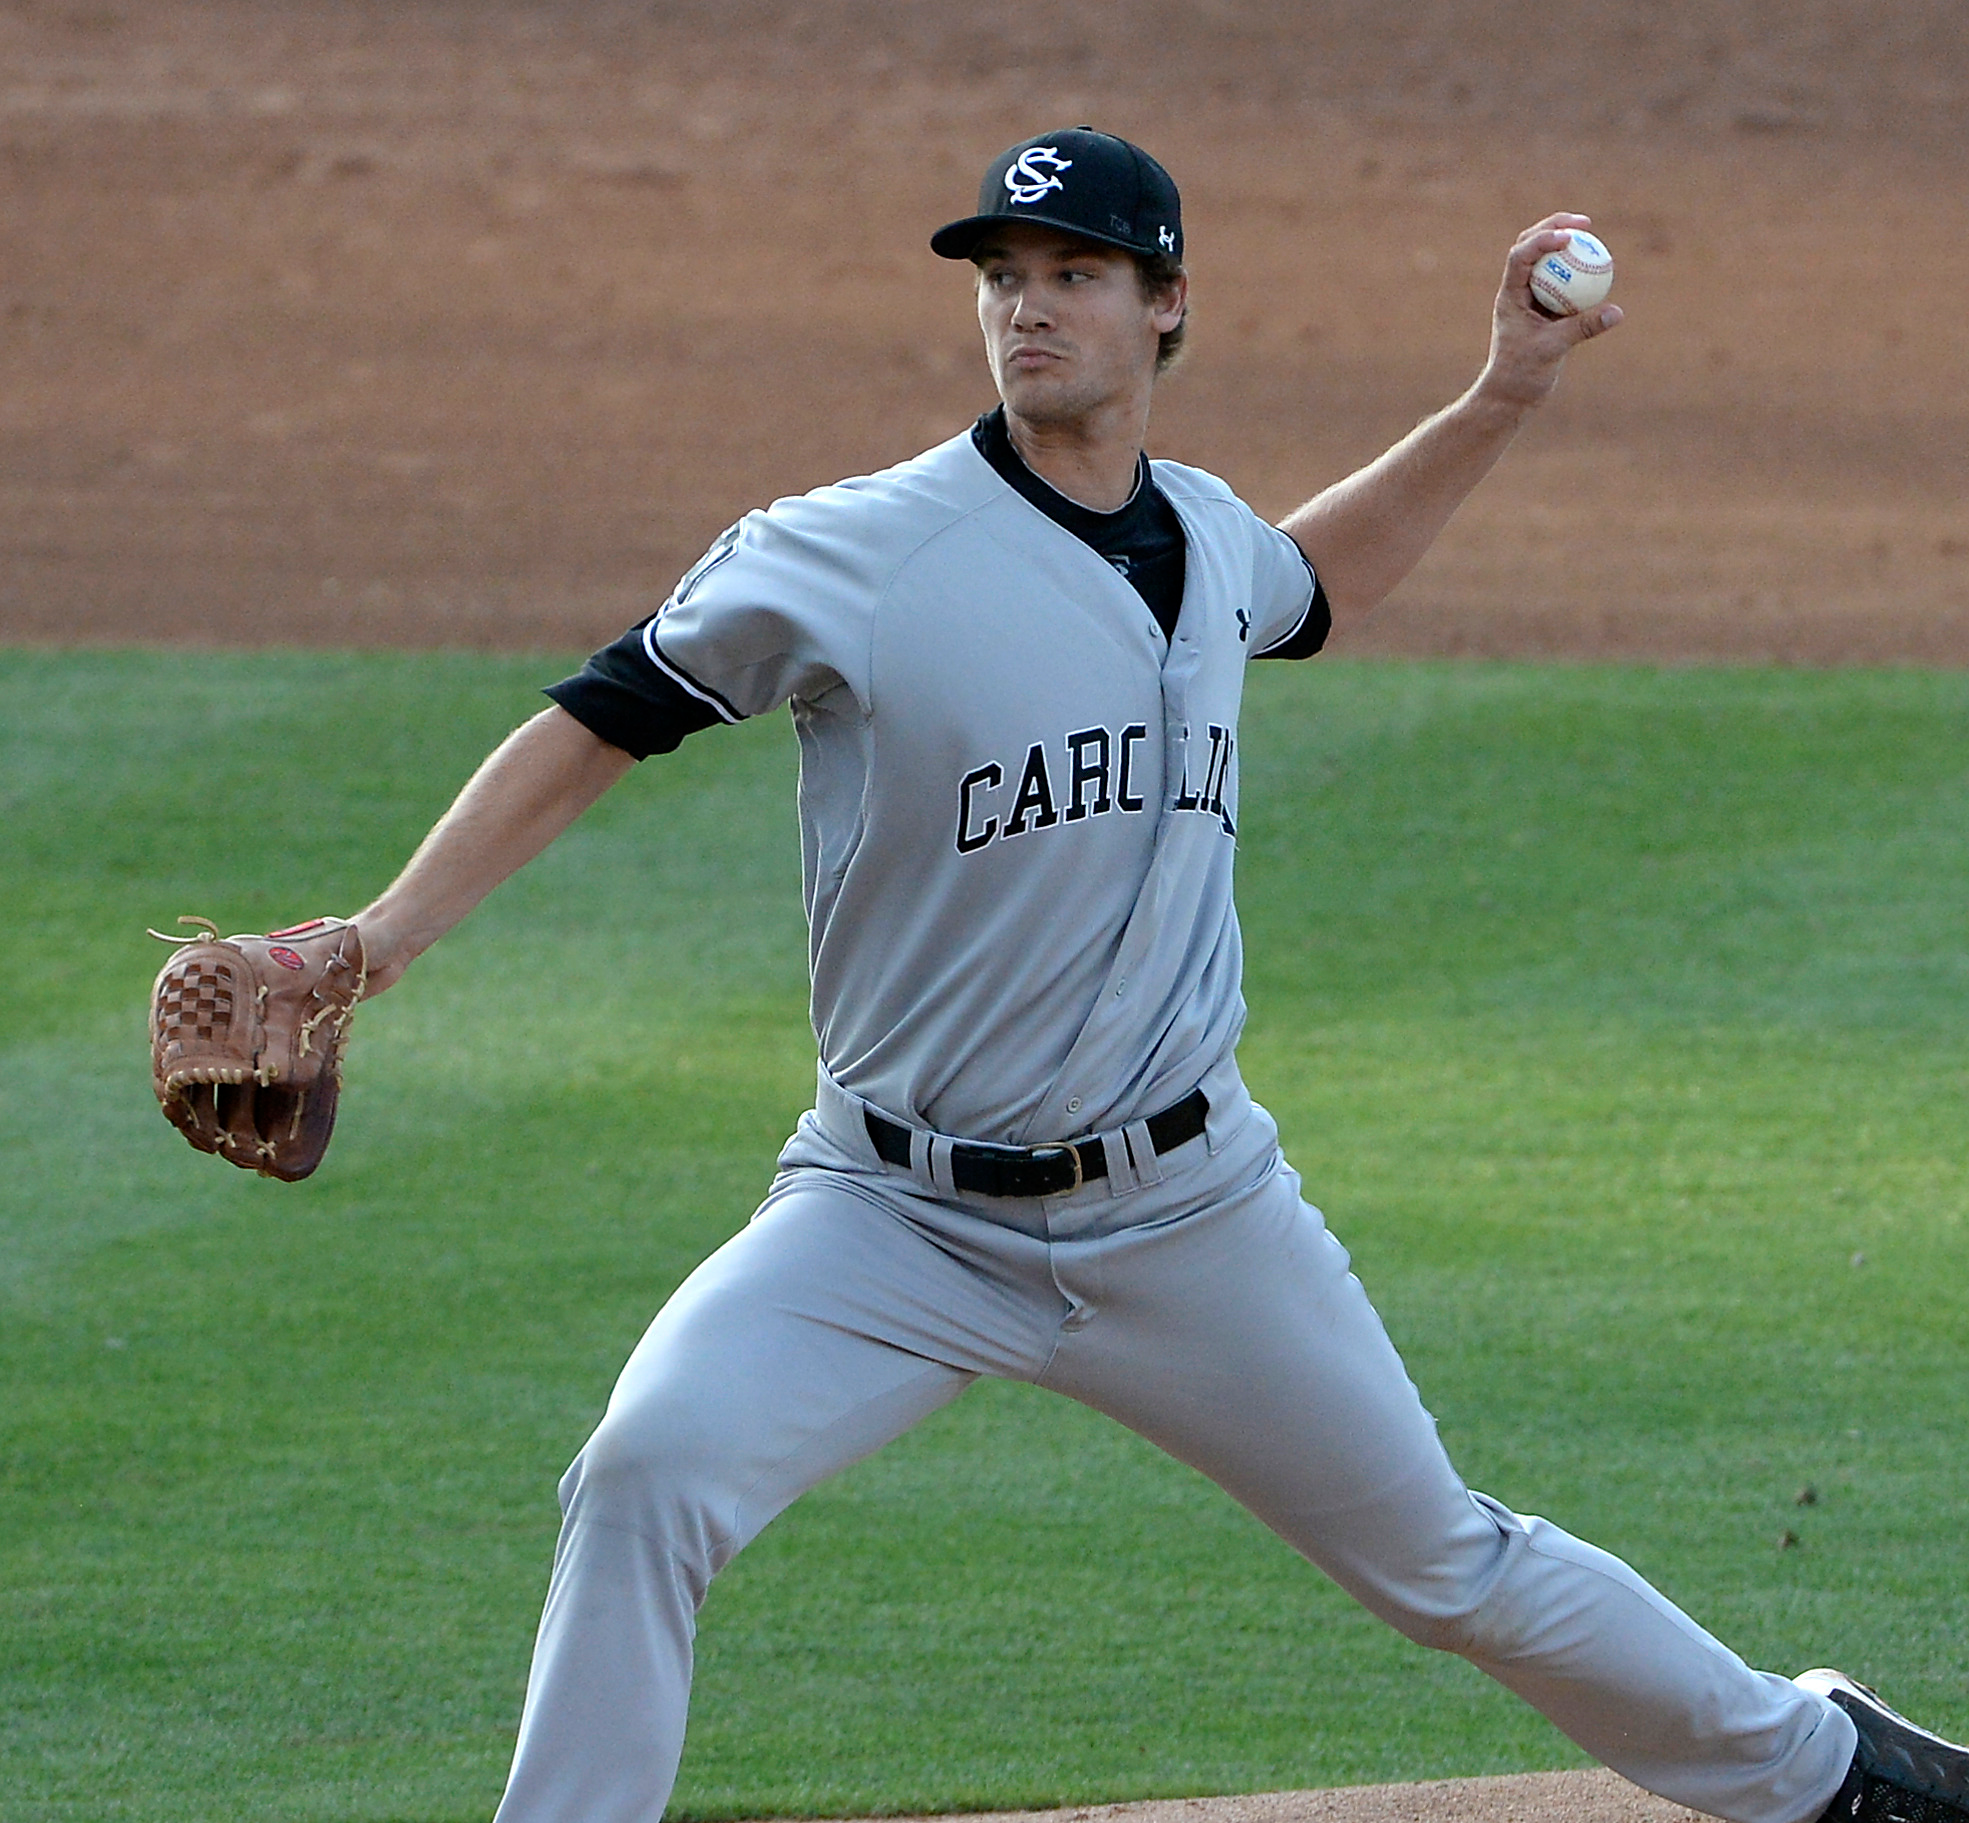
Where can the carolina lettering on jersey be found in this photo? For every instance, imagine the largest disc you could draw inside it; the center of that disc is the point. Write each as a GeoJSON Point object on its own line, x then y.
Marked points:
{"type": "Point", "coordinates": [1208, 798]}
{"type": "Point", "coordinates": [1092, 773]}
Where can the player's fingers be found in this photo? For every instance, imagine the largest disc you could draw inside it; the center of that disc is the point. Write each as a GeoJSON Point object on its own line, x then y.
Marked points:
{"type": "Point", "coordinates": [1542, 238]}
{"type": "Point", "coordinates": [1561, 221]}
{"type": "Point", "coordinates": [1526, 254]}
{"type": "Point", "coordinates": [1597, 321]}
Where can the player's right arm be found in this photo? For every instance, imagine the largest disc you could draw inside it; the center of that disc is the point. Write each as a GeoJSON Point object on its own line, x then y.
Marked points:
{"type": "Point", "coordinates": [536, 782]}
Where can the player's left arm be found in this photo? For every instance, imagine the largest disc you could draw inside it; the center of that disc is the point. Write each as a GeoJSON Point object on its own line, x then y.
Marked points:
{"type": "Point", "coordinates": [1364, 534]}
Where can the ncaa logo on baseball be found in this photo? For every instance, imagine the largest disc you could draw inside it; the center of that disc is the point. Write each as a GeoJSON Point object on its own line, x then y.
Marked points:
{"type": "Point", "coordinates": [1027, 182]}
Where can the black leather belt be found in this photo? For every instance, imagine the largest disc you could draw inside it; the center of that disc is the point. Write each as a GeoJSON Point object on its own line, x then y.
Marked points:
{"type": "Point", "coordinates": [984, 1170]}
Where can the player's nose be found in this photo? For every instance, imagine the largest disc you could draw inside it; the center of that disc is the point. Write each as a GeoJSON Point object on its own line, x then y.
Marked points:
{"type": "Point", "coordinates": [1030, 311]}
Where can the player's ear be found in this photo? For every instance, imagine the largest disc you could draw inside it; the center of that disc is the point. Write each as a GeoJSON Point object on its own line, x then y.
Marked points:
{"type": "Point", "coordinates": [1171, 303]}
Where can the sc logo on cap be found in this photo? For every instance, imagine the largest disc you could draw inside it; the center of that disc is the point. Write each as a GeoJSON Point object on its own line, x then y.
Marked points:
{"type": "Point", "coordinates": [1025, 179]}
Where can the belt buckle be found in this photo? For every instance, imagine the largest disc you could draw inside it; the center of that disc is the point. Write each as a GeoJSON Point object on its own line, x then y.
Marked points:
{"type": "Point", "coordinates": [1072, 1152]}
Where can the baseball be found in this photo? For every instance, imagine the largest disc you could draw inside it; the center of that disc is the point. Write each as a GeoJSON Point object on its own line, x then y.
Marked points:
{"type": "Point", "coordinates": [1575, 278]}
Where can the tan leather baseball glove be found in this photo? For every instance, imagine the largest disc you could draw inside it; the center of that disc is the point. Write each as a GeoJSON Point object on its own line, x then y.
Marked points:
{"type": "Point", "coordinates": [246, 1040]}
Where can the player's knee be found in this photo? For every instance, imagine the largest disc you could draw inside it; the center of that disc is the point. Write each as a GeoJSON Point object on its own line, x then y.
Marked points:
{"type": "Point", "coordinates": [1453, 1630]}
{"type": "Point", "coordinates": [662, 1470]}
{"type": "Point", "coordinates": [1477, 1621]}
{"type": "Point", "coordinates": [1462, 1600]}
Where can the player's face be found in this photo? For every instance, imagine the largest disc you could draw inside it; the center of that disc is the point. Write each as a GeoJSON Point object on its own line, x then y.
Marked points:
{"type": "Point", "coordinates": [1066, 327]}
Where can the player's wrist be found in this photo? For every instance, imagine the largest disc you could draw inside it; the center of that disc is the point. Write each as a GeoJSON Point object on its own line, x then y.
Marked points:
{"type": "Point", "coordinates": [1505, 394]}
{"type": "Point", "coordinates": [388, 947]}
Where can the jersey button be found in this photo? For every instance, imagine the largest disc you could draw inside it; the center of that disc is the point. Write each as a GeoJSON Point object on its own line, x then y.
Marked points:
{"type": "Point", "coordinates": [1073, 1104]}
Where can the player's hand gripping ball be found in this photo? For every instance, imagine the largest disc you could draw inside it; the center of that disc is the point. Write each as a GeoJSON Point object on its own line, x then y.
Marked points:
{"type": "Point", "coordinates": [1575, 278]}
{"type": "Point", "coordinates": [246, 1040]}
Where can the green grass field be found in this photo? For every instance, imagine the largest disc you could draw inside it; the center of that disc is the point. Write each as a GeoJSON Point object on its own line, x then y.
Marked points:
{"type": "Point", "coordinates": [1615, 1017]}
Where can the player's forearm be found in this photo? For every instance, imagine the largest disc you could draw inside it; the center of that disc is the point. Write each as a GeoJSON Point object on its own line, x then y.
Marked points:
{"type": "Point", "coordinates": [1364, 534]}
{"type": "Point", "coordinates": [542, 777]}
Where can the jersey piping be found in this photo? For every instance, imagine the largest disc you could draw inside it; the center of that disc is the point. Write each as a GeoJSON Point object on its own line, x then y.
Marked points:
{"type": "Point", "coordinates": [683, 679]}
{"type": "Point", "coordinates": [1309, 636]}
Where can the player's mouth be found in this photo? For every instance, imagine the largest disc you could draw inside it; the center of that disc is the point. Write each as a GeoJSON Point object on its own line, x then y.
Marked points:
{"type": "Point", "coordinates": [1023, 357]}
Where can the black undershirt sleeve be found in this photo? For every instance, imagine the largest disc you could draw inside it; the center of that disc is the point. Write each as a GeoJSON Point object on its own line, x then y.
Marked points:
{"type": "Point", "coordinates": [1309, 636]}
{"type": "Point", "coordinates": [623, 698]}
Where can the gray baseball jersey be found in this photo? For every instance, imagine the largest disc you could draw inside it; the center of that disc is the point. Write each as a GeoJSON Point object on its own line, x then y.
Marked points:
{"type": "Point", "coordinates": [1018, 803]}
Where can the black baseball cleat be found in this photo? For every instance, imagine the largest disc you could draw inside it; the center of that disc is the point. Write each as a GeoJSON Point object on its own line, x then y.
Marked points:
{"type": "Point", "coordinates": [1901, 1773]}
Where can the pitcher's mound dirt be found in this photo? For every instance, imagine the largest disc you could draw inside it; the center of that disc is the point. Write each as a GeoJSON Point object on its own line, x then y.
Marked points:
{"type": "Point", "coordinates": [472, 322]}
{"type": "Point", "coordinates": [1533, 1797]}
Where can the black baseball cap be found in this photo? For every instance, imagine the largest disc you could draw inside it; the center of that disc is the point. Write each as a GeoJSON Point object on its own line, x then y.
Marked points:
{"type": "Point", "coordinates": [1082, 182]}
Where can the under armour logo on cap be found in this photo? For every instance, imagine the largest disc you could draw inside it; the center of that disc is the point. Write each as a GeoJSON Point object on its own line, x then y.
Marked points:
{"type": "Point", "coordinates": [1119, 195]}
{"type": "Point", "coordinates": [1026, 182]}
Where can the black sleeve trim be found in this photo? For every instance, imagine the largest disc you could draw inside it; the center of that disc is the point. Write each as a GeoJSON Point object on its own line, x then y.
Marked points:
{"type": "Point", "coordinates": [1309, 636]}
{"type": "Point", "coordinates": [628, 701]}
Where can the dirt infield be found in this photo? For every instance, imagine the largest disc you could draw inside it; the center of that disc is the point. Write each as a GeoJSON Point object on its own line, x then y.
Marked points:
{"type": "Point", "coordinates": [473, 323]}
{"type": "Point", "coordinates": [1535, 1797]}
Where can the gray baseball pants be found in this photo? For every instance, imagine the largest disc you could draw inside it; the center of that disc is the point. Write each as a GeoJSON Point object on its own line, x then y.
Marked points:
{"type": "Point", "coordinates": [1209, 1310]}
